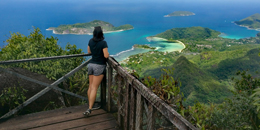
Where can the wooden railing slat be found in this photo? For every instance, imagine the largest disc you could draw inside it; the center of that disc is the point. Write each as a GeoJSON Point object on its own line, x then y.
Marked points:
{"type": "Point", "coordinates": [109, 96]}
{"type": "Point", "coordinates": [132, 109]}
{"type": "Point", "coordinates": [139, 112]}
{"type": "Point", "coordinates": [126, 118]}
{"type": "Point", "coordinates": [119, 103]}
{"type": "Point", "coordinates": [150, 117]}
{"type": "Point", "coordinates": [103, 92]}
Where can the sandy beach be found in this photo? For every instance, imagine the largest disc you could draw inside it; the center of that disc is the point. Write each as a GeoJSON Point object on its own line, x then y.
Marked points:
{"type": "Point", "coordinates": [257, 29]}
{"type": "Point", "coordinates": [165, 40]}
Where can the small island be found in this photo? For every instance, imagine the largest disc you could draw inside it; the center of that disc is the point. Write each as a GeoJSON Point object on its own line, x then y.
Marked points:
{"type": "Point", "coordinates": [87, 28]}
{"type": "Point", "coordinates": [251, 22]}
{"type": "Point", "coordinates": [180, 13]}
{"type": "Point", "coordinates": [144, 47]}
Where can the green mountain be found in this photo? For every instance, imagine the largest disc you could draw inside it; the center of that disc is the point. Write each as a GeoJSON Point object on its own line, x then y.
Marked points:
{"type": "Point", "coordinates": [252, 22]}
{"type": "Point", "coordinates": [188, 33]}
{"type": "Point", "coordinates": [196, 84]}
{"type": "Point", "coordinates": [180, 13]}
{"type": "Point", "coordinates": [87, 28]}
{"type": "Point", "coordinates": [228, 68]}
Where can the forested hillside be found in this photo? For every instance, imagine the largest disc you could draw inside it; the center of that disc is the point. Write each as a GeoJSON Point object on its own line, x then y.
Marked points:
{"type": "Point", "coordinates": [36, 45]}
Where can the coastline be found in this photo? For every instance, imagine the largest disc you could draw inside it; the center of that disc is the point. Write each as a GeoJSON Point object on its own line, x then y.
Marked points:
{"type": "Point", "coordinates": [149, 40]}
{"type": "Point", "coordinates": [162, 39]}
{"type": "Point", "coordinates": [53, 31]}
{"type": "Point", "coordinates": [257, 29]}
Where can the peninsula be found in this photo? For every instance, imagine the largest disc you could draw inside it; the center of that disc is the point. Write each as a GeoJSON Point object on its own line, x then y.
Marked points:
{"type": "Point", "coordinates": [197, 33]}
{"type": "Point", "coordinates": [144, 47]}
{"type": "Point", "coordinates": [87, 28]}
{"type": "Point", "coordinates": [180, 13]}
{"type": "Point", "coordinates": [251, 22]}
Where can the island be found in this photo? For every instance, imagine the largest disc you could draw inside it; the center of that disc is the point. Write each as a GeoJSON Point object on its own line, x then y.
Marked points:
{"type": "Point", "coordinates": [251, 22]}
{"type": "Point", "coordinates": [197, 33]}
{"type": "Point", "coordinates": [180, 13]}
{"type": "Point", "coordinates": [144, 47]}
{"type": "Point", "coordinates": [87, 28]}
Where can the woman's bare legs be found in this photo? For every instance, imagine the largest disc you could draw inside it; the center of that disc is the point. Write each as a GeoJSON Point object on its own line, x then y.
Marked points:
{"type": "Point", "coordinates": [94, 82]}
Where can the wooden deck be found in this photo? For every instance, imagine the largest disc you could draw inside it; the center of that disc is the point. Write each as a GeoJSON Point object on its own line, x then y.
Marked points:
{"type": "Point", "coordinates": [66, 118]}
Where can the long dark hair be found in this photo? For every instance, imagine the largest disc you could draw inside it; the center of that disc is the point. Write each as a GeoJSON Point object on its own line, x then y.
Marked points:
{"type": "Point", "coordinates": [98, 34]}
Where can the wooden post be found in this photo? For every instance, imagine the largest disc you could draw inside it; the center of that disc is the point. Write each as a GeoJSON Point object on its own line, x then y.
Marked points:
{"type": "Point", "coordinates": [109, 97]}
{"type": "Point", "coordinates": [119, 103]}
{"type": "Point", "coordinates": [126, 119]}
{"type": "Point", "coordinates": [126, 107]}
{"type": "Point", "coordinates": [139, 112]}
{"type": "Point", "coordinates": [103, 92]}
{"type": "Point", "coordinates": [150, 117]}
{"type": "Point", "coordinates": [132, 109]}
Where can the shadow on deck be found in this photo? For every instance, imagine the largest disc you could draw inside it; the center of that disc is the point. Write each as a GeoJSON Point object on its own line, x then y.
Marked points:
{"type": "Point", "coordinates": [65, 118]}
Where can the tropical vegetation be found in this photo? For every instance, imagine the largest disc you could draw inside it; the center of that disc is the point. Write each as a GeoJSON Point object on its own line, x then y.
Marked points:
{"type": "Point", "coordinates": [36, 45]}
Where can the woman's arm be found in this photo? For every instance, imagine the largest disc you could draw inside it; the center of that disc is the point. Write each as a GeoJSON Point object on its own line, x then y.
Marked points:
{"type": "Point", "coordinates": [89, 51]}
{"type": "Point", "coordinates": [106, 54]}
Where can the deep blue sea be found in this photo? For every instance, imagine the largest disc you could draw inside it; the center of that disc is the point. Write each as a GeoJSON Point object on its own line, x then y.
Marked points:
{"type": "Point", "coordinates": [146, 17]}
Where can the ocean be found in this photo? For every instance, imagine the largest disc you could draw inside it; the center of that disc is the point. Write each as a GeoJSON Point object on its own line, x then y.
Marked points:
{"type": "Point", "coordinates": [146, 17]}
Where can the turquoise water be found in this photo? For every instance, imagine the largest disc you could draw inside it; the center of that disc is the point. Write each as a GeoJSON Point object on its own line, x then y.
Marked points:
{"type": "Point", "coordinates": [146, 17]}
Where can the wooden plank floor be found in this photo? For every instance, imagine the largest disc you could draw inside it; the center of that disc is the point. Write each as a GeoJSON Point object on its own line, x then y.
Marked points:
{"type": "Point", "coordinates": [66, 118]}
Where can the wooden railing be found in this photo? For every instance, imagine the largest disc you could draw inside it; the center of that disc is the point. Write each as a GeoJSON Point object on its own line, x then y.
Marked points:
{"type": "Point", "coordinates": [136, 105]}
{"type": "Point", "coordinates": [134, 100]}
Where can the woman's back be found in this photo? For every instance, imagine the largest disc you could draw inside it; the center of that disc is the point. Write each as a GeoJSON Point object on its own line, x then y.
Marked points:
{"type": "Point", "coordinates": [96, 48]}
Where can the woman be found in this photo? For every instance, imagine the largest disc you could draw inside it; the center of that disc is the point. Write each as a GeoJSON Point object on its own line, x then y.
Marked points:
{"type": "Point", "coordinates": [96, 68]}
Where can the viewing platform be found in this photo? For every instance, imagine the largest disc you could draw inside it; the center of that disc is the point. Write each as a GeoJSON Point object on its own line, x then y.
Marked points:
{"type": "Point", "coordinates": [70, 118]}
{"type": "Point", "coordinates": [126, 103]}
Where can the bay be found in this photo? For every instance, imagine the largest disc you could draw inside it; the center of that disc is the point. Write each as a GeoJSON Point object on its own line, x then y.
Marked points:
{"type": "Point", "coordinates": [146, 17]}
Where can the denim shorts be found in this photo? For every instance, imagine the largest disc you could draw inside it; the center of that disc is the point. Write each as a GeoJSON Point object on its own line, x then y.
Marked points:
{"type": "Point", "coordinates": [96, 69]}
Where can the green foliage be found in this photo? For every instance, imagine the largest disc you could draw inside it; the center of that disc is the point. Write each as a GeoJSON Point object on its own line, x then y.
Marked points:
{"type": "Point", "coordinates": [169, 90]}
{"type": "Point", "coordinates": [12, 97]}
{"type": "Point", "coordinates": [35, 46]}
{"type": "Point", "coordinates": [166, 87]}
{"type": "Point", "coordinates": [238, 112]}
{"type": "Point", "coordinates": [256, 98]}
{"type": "Point", "coordinates": [124, 27]}
{"type": "Point", "coordinates": [200, 115]}
{"type": "Point", "coordinates": [228, 67]}
{"type": "Point", "coordinates": [144, 46]}
{"type": "Point", "coordinates": [77, 84]}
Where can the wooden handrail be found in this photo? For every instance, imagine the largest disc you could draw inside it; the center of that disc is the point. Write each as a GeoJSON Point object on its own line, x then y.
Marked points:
{"type": "Point", "coordinates": [44, 58]}
{"type": "Point", "coordinates": [136, 92]}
